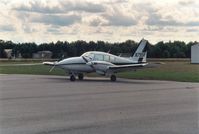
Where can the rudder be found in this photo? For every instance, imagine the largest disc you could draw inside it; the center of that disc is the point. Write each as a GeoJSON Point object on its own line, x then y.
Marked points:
{"type": "Point", "coordinates": [140, 54]}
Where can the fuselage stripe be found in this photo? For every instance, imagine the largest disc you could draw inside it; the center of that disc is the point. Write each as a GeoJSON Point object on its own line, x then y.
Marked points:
{"type": "Point", "coordinates": [100, 63]}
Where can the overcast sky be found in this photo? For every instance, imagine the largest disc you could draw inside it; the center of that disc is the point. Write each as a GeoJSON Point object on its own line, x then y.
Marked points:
{"type": "Point", "coordinates": [109, 20]}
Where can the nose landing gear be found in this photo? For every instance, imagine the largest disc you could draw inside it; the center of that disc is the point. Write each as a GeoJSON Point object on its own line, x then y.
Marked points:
{"type": "Point", "coordinates": [72, 78]}
{"type": "Point", "coordinates": [113, 77]}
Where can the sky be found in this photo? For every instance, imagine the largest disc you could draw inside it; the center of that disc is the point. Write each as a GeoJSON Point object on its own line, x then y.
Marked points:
{"type": "Point", "coordinates": [91, 20]}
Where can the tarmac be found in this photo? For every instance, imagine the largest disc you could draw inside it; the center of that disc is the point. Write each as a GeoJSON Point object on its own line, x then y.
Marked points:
{"type": "Point", "coordinates": [36, 104]}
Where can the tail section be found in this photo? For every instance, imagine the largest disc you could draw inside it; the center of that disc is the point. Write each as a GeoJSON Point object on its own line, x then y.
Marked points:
{"type": "Point", "coordinates": [141, 52]}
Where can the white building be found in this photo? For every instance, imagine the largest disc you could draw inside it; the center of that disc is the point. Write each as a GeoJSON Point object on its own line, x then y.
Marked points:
{"type": "Point", "coordinates": [42, 54]}
{"type": "Point", "coordinates": [195, 53]}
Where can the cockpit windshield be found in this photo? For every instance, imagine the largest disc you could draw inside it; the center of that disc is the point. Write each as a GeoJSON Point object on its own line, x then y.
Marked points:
{"type": "Point", "coordinates": [88, 55]}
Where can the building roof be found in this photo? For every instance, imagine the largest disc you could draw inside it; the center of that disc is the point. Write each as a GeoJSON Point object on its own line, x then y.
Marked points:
{"type": "Point", "coordinates": [196, 45]}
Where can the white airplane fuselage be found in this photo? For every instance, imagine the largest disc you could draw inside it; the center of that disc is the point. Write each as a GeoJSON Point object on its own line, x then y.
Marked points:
{"type": "Point", "coordinates": [102, 63]}
{"type": "Point", "coordinates": [83, 64]}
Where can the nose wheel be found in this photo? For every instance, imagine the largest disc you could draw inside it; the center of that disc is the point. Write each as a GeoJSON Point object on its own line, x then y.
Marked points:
{"type": "Point", "coordinates": [72, 78]}
{"type": "Point", "coordinates": [113, 78]}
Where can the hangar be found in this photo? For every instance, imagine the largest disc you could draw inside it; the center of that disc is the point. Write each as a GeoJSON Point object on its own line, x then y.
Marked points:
{"type": "Point", "coordinates": [195, 53]}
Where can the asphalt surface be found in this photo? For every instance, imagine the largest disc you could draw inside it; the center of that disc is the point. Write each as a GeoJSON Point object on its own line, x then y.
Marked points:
{"type": "Point", "coordinates": [53, 105]}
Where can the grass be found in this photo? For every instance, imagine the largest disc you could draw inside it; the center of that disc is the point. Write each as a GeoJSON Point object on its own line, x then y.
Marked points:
{"type": "Point", "coordinates": [171, 70]}
{"type": "Point", "coordinates": [13, 67]}
{"type": "Point", "coordinates": [176, 71]}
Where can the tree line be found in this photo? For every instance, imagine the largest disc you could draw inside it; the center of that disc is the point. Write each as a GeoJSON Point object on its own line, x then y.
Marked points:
{"type": "Point", "coordinates": [175, 49]}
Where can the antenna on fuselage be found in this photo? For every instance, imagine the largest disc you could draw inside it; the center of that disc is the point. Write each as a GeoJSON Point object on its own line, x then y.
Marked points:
{"type": "Point", "coordinates": [109, 50]}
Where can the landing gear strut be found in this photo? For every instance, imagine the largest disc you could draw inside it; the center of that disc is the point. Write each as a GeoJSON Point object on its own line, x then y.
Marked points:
{"type": "Point", "coordinates": [72, 78]}
{"type": "Point", "coordinates": [80, 76]}
{"type": "Point", "coordinates": [113, 78]}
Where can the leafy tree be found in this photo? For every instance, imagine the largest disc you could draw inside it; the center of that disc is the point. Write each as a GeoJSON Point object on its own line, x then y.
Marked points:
{"type": "Point", "coordinates": [176, 49]}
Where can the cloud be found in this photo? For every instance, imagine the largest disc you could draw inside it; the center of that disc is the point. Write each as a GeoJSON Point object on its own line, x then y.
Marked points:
{"type": "Point", "coordinates": [54, 30]}
{"type": "Point", "coordinates": [63, 6]}
{"type": "Point", "coordinates": [102, 31]}
{"type": "Point", "coordinates": [83, 6]}
{"type": "Point", "coordinates": [192, 30]}
{"type": "Point", "coordinates": [164, 17]}
{"type": "Point", "coordinates": [28, 28]}
{"type": "Point", "coordinates": [58, 20]}
{"type": "Point", "coordinates": [48, 20]}
{"type": "Point", "coordinates": [95, 22]}
{"type": "Point", "coordinates": [118, 18]}
{"type": "Point", "coordinates": [186, 2]}
{"type": "Point", "coordinates": [158, 20]}
{"type": "Point", "coordinates": [192, 23]}
{"type": "Point", "coordinates": [7, 28]}
{"type": "Point", "coordinates": [37, 6]}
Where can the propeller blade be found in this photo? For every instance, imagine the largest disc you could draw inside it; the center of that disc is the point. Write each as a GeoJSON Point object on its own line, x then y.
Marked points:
{"type": "Point", "coordinates": [52, 68]}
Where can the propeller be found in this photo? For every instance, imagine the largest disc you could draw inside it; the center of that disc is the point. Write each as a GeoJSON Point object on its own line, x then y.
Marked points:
{"type": "Point", "coordinates": [52, 68]}
{"type": "Point", "coordinates": [53, 64]}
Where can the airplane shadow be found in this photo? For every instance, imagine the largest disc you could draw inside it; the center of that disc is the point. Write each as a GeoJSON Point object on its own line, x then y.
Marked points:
{"type": "Point", "coordinates": [104, 80]}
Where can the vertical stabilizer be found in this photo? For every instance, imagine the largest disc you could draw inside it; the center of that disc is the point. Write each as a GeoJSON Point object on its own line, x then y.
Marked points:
{"type": "Point", "coordinates": [140, 54]}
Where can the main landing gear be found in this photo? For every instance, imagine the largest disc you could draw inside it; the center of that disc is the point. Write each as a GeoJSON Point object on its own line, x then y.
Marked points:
{"type": "Point", "coordinates": [80, 77]}
{"type": "Point", "coordinates": [113, 77]}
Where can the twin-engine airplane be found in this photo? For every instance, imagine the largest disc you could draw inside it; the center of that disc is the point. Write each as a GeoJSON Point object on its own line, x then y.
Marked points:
{"type": "Point", "coordinates": [102, 63]}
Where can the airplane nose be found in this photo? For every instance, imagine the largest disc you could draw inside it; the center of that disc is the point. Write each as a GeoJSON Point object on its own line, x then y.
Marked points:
{"type": "Point", "coordinates": [72, 60]}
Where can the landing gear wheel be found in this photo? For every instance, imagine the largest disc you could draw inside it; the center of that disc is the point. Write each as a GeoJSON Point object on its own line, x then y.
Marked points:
{"type": "Point", "coordinates": [113, 78]}
{"type": "Point", "coordinates": [72, 78]}
{"type": "Point", "coordinates": [80, 76]}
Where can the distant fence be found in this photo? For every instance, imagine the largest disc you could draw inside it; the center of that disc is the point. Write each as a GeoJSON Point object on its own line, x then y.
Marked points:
{"type": "Point", "coordinates": [169, 59]}
{"type": "Point", "coordinates": [25, 60]}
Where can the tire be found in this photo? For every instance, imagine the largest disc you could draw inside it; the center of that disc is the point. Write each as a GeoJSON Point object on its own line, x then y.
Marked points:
{"type": "Point", "coordinates": [72, 78]}
{"type": "Point", "coordinates": [80, 76]}
{"type": "Point", "coordinates": [113, 78]}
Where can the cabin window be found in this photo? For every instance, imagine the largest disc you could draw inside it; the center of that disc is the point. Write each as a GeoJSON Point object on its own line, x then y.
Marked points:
{"type": "Point", "coordinates": [106, 58]}
{"type": "Point", "coordinates": [99, 57]}
{"type": "Point", "coordinates": [112, 59]}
